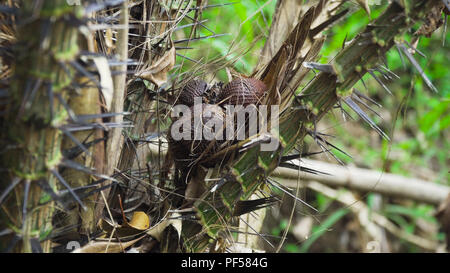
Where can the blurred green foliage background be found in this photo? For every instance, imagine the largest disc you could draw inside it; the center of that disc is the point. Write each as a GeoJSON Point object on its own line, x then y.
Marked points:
{"type": "Point", "coordinates": [416, 118]}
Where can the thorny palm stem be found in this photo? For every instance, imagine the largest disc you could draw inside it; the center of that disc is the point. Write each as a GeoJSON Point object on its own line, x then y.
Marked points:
{"type": "Point", "coordinates": [47, 41]}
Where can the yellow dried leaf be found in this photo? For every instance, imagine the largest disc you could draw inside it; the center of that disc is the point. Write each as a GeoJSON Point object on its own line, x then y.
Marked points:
{"type": "Point", "coordinates": [139, 221]}
{"type": "Point", "coordinates": [157, 73]}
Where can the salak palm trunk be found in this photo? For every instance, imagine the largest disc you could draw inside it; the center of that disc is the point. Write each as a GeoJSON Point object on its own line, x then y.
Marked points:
{"type": "Point", "coordinates": [46, 43]}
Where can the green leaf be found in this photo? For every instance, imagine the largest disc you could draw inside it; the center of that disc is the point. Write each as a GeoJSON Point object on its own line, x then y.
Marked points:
{"type": "Point", "coordinates": [320, 230]}
{"type": "Point", "coordinates": [423, 212]}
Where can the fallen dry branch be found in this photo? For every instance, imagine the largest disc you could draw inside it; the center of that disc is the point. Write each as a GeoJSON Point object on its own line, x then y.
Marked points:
{"type": "Point", "coordinates": [367, 220]}
{"type": "Point", "coordinates": [365, 180]}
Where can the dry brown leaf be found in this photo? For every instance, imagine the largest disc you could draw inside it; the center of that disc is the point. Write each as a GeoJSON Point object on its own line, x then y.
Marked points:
{"type": "Point", "coordinates": [109, 39]}
{"type": "Point", "coordinates": [157, 73]}
{"type": "Point", "coordinates": [293, 45]}
{"type": "Point", "coordinates": [176, 223]}
{"type": "Point", "coordinates": [287, 61]}
{"type": "Point", "coordinates": [285, 19]}
{"type": "Point", "coordinates": [157, 231]}
{"type": "Point", "coordinates": [106, 81]}
{"type": "Point", "coordinates": [106, 247]}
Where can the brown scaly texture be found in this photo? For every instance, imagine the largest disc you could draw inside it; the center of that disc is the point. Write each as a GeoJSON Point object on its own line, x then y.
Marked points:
{"type": "Point", "coordinates": [243, 91]}
{"type": "Point", "coordinates": [194, 88]}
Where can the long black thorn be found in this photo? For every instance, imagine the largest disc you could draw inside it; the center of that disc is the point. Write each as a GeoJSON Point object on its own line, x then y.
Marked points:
{"type": "Point", "coordinates": [200, 38]}
{"type": "Point", "coordinates": [11, 186]}
{"type": "Point", "coordinates": [340, 108]}
{"type": "Point", "coordinates": [385, 75]}
{"type": "Point", "coordinates": [201, 24]}
{"type": "Point", "coordinates": [117, 63]}
{"type": "Point", "coordinates": [281, 187]}
{"type": "Point", "coordinates": [187, 58]}
{"type": "Point", "coordinates": [29, 95]}
{"type": "Point", "coordinates": [417, 67]}
{"type": "Point", "coordinates": [26, 95]}
{"type": "Point", "coordinates": [298, 156]}
{"type": "Point", "coordinates": [344, 112]}
{"type": "Point", "coordinates": [95, 190]}
{"type": "Point", "coordinates": [135, 35]}
{"type": "Point", "coordinates": [365, 117]}
{"type": "Point", "coordinates": [90, 126]}
{"type": "Point", "coordinates": [361, 95]}
{"type": "Point", "coordinates": [81, 118]}
{"type": "Point", "coordinates": [74, 165]}
{"type": "Point", "coordinates": [416, 50]}
{"type": "Point", "coordinates": [345, 40]}
{"type": "Point", "coordinates": [384, 60]}
{"type": "Point", "coordinates": [382, 67]}
{"type": "Point", "coordinates": [46, 29]}
{"type": "Point", "coordinates": [401, 56]}
{"type": "Point", "coordinates": [358, 99]}
{"type": "Point", "coordinates": [33, 93]}
{"type": "Point", "coordinates": [379, 81]}
{"type": "Point", "coordinates": [86, 73]}
{"type": "Point", "coordinates": [247, 206]}
{"type": "Point", "coordinates": [71, 153]}
{"type": "Point", "coordinates": [76, 141]}
{"type": "Point", "coordinates": [321, 139]}
{"type": "Point", "coordinates": [67, 186]}
{"type": "Point", "coordinates": [82, 192]}
{"type": "Point", "coordinates": [367, 106]}
{"type": "Point", "coordinates": [51, 99]}
{"type": "Point", "coordinates": [45, 186]}
{"type": "Point", "coordinates": [330, 153]}
{"type": "Point", "coordinates": [259, 234]}
{"type": "Point", "coordinates": [183, 47]}
{"type": "Point", "coordinates": [364, 84]}
{"type": "Point", "coordinates": [214, 6]}
{"type": "Point", "coordinates": [325, 135]}
{"type": "Point", "coordinates": [61, 232]}
{"type": "Point", "coordinates": [302, 169]}
{"type": "Point", "coordinates": [66, 106]}
{"type": "Point", "coordinates": [190, 25]}
{"type": "Point", "coordinates": [26, 194]}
